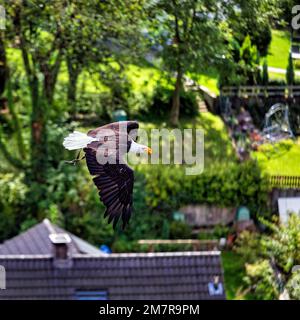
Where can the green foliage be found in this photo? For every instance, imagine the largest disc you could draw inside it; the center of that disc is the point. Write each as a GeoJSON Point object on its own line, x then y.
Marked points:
{"type": "Point", "coordinates": [13, 192]}
{"type": "Point", "coordinates": [225, 186]}
{"type": "Point", "coordinates": [283, 245]}
{"type": "Point", "coordinates": [279, 159]}
{"type": "Point", "coordinates": [162, 100]}
{"type": "Point", "coordinates": [272, 258]}
{"type": "Point", "coordinates": [221, 231]}
{"type": "Point", "coordinates": [234, 272]}
{"type": "Point", "coordinates": [247, 246]}
{"type": "Point", "coordinates": [249, 61]}
{"type": "Point", "coordinates": [70, 61]}
{"type": "Point", "coordinates": [253, 17]}
{"type": "Point", "coordinates": [243, 68]}
{"type": "Point", "coordinates": [293, 286]}
{"type": "Point", "coordinates": [180, 230]}
{"type": "Point", "coordinates": [261, 279]}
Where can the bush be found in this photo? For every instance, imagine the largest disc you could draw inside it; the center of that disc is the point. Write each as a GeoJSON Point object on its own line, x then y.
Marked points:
{"type": "Point", "coordinates": [13, 191]}
{"type": "Point", "coordinates": [224, 186]}
{"type": "Point", "coordinates": [276, 253]}
{"type": "Point", "coordinates": [261, 279]}
{"type": "Point", "coordinates": [180, 230]}
{"type": "Point", "coordinates": [221, 231]}
{"type": "Point", "coordinates": [293, 286]}
{"type": "Point", "coordinates": [247, 246]}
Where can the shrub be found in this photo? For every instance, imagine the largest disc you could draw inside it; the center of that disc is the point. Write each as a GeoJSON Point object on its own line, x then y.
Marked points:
{"type": "Point", "coordinates": [225, 186]}
{"type": "Point", "coordinates": [293, 286]}
{"type": "Point", "coordinates": [271, 268]}
{"type": "Point", "coordinates": [247, 246]}
{"type": "Point", "coordinates": [180, 230]}
{"type": "Point", "coordinates": [261, 279]}
{"type": "Point", "coordinates": [13, 191]}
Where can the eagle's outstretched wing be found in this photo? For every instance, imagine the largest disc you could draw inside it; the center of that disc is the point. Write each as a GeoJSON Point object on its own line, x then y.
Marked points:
{"type": "Point", "coordinates": [115, 185]}
{"type": "Point", "coordinates": [130, 126]}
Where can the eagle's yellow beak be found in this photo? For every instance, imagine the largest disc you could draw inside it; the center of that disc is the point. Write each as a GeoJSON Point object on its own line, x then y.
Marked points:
{"type": "Point", "coordinates": [149, 150]}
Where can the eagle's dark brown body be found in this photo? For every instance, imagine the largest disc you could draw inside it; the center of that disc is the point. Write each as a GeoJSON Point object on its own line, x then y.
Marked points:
{"type": "Point", "coordinates": [114, 181]}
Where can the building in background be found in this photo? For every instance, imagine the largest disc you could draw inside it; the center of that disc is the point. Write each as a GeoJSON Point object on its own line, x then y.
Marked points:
{"type": "Point", "coordinates": [47, 262]}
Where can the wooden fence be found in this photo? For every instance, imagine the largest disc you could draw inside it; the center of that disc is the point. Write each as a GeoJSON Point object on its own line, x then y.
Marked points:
{"type": "Point", "coordinates": [285, 182]}
{"type": "Point", "coordinates": [260, 91]}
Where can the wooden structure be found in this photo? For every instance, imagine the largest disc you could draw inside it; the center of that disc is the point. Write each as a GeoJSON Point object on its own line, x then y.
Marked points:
{"type": "Point", "coordinates": [260, 91]}
{"type": "Point", "coordinates": [285, 182]}
{"type": "Point", "coordinates": [203, 216]}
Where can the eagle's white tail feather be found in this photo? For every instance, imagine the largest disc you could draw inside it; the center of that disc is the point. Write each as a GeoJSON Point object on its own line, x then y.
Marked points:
{"type": "Point", "coordinates": [77, 140]}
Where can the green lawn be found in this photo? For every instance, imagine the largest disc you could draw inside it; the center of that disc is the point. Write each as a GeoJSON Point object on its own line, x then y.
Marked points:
{"type": "Point", "coordinates": [233, 275]}
{"type": "Point", "coordinates": [208, 79]}
{"type": "Point", "coordinates": [217, 146]}
{"type": "Point", "coordinates": [280, 159]}
{"type": "Point", "coordinates": [279, 49]}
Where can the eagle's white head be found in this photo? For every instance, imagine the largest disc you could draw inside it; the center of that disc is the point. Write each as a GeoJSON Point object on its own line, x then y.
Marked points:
{"type": "Point", "coordinates": [139, 148]}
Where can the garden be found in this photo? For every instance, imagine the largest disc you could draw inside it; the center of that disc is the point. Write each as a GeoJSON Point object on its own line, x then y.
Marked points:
{"type": "Point", "coordinates": [68, 66]}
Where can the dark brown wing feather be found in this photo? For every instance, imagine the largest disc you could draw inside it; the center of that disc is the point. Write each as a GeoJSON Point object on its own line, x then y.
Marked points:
{"type": "Point", "coordinates": [131, 127]}
{"type": "Point", "coordinates": [115, 185]}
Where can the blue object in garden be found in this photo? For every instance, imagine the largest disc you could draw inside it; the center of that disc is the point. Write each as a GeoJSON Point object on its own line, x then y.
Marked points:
{"type": "Point", "coordinates": [242, 214]}
{"type": "Point", "coordinates": [105, 249]}
{"type": "Point", "coordinates": [119, 115]}
{"type": "Point", "coordinates": [178, 216]}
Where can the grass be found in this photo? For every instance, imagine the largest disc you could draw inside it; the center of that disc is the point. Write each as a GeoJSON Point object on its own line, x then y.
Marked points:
{"type": "Point", "coordinates": [217, 145]}
{"type": "Point", "coordinates": [208, 79]}
{"type": "Point", "coordinates": [281, 158]}
{"type": "Point", "coordinates": [279, 49]}
{"type": "Point", "coordinates": [233, 275]}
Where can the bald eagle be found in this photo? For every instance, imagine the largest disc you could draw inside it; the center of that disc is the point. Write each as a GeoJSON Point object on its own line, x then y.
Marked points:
{"type": "Point", "coordinates": [104, 149]}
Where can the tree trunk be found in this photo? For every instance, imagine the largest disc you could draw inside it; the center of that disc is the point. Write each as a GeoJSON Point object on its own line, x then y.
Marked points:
{"type": "Point", "coordinates": [72, 86]}
{"type": "Point", "coordinates": [39, 157]}
{"type": "Point", "coordinates": [3, 66]}
{"type": "Point", "coordinates": [175, 110]}
{"type": "Point", "coordinates": [50, 77]}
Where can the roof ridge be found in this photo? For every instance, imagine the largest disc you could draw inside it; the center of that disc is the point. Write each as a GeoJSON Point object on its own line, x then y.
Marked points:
{"type": "Point", "coordinates": [151, 254]}
{"type": "Point", "coordinates": [119, 255]}
{"type": "Point", "coordinates": [50, 227]}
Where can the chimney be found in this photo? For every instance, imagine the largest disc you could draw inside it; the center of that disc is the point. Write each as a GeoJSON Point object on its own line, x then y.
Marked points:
{"type": "Point", "coordinates": [61, 254]}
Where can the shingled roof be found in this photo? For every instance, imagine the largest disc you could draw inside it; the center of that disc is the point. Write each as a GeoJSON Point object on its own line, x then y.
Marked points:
{"type": "Point", "coordinates": [35, 241]}
{"type": "Point", "coordinates": [153, 276]}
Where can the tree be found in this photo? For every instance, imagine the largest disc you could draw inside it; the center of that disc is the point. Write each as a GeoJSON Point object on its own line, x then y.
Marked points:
{"type": "Point", "coordinates": [3, 66]}
{"type": "Point", "coordinates": [285, 14]}
{"type": "Point", "coordinates": [249, 62]}
{"type": "Point", "coordinates": [96, 34]}
{"type": "Point", "coordinates": [196, 35]}
{"type": "Point", "coordinates": [253, 18]}
{"type": "Point", "coordinates": [190, 34]}
{"type": "Point", "coordinates": [47, 33]}
{"type": "Point", "coordinates": [290, 73]}
{"type": "Point", "coordinates": [36, 30]}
